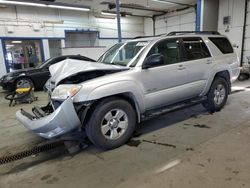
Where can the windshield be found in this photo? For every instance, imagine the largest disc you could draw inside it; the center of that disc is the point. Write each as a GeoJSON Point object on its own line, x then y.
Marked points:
{"type": "Point", "coordinates": [44, 63]}
{"type": "Point", "coordinates": [123, 53]}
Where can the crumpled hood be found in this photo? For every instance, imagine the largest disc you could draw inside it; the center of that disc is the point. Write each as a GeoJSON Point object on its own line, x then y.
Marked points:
{"type": "Point", "coordinates": [70, 67]}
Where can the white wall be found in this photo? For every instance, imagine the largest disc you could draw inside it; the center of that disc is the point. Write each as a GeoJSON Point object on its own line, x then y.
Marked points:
{"type": "Point", "coordinates": [52, 23]}
{"type": "Point", "coordinates": [108, 42]}
{"type": "Point", "coordinates": [93, 53]}
{"type": "Point", "coordinates": [81, 39]}
{"type": "Point", "coordinates": [235, 9]}
{"type": "Point", "coordinates": [148, 27]}
{"type": "Point", "coordinates": [209, 22]}
{"type": "Point", "coordinates": [46, 48]}
{"type": "Point", "coordinates": [246, 52]}
{"type": "Point", "coordinates": [55, 47]}
{"type": "Point", "coordinates": [177, 21]}
{"type": "Point", "coordinates": [2, 64]}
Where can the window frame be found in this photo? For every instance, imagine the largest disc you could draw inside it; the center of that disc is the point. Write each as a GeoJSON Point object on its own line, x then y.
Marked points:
{"type": "Point", "coordinates": [186, 53]}
{"type": "Point", "coordinates": [182, 58]}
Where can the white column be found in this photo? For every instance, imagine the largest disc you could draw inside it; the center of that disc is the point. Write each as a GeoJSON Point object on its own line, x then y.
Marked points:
{"type": "Point", "coordinates": [62, 43]}
{"type": "Point", "coordinates": [2, 62]}
{"type": "Point", "coordinates": [148, 27]}
{"type": "Point", "coordinates": [209, 15]}
{"type": "Point", "coordinates": [46, 48]}
{"type": "Point", "coordinates": [62, 46]}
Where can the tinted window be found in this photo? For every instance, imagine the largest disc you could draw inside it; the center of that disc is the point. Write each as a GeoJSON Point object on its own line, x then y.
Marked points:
{"type": "Point", "coordinates": [170, 49]}
{"type": "Point", "coordinates": [223, 44]}
{"type": "Point", "coordinates": [195, 48]}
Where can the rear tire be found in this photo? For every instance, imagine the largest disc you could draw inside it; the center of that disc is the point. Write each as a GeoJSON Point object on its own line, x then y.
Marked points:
{"type": "Point", "coordinates": [217, 95]}
{"type": "Point", "coordinates": [111, 124]}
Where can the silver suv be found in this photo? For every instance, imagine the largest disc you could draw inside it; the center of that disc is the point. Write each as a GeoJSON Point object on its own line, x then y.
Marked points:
{"type": "Point", "coordinates": [133, 81]}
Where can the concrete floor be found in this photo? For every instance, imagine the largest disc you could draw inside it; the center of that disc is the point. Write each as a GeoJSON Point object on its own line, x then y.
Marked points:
{"type": "Point", "coordinates": [187, 148]}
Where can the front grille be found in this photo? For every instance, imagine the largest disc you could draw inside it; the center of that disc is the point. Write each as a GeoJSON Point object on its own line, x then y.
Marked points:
{"type": "Point", "coordinates": [56, 103]}
{"type": "Point", "coordinates": [50, 86]}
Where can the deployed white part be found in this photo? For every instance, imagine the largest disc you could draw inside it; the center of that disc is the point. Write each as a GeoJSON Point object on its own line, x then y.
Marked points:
{"type": "Point", "coordinates": [69, 67]}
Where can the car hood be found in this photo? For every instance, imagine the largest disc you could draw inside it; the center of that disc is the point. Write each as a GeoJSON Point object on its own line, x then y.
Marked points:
{"type": "Point", "coordinates": [70, 67]}
{"type": "Point", "coordinates": [22, 71]}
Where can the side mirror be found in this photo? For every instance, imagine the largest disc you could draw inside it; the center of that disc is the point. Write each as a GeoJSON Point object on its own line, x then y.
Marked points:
{"type": "Point", "coordinates": [153, 60]}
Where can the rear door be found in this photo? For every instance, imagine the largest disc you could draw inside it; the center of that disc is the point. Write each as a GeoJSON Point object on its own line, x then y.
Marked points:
{"type": "Point", "coordinates": [198, 62]}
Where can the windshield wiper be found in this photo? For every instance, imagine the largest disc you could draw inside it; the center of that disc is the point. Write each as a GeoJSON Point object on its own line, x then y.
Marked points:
{"type": "Point", "coordinates": [119, 63]}
{"type": "Point", "coordinates": [115, 63]}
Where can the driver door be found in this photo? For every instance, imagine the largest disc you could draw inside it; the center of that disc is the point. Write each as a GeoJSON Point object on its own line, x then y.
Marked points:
{"type": "Point", "coordinates": [165, 84]}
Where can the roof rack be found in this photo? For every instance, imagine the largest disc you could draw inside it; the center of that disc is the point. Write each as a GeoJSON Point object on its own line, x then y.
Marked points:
{"type": "Point", "coordinates": [193, 32]}
{"type": "Point", "coordinates": [138, 37]}
{"type": "Point", "coordinates": [182, 33]}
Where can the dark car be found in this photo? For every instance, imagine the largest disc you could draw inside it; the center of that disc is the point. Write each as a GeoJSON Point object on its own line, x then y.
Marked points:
{"type": "Point", "coordinates": [35, 77]}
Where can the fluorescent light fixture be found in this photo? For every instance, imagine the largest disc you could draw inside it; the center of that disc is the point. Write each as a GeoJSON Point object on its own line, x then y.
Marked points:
{"type": "Point", "coordinates": [105, 17]}
{"type": "Point", "coordinates": [22, 3]}
{"type": "Point", "coordinates": [69, 8]}
{"type": "Point", "coordinates": [10, 45]}
{"type": "Point", "coordinates": [162, 1]}
{"type": "Point", "coordinates": [16, 42]}
{"type": "Point", "coordinates": [108, 13]}
{"type": "Point", "coordinates": [173, 2]}
{"type": "Point", "coordinates": [44, 5]}
{"type": "Point", "coordinates": [113, 13]}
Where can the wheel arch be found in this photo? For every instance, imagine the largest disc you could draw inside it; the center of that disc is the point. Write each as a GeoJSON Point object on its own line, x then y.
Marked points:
{"type": "Point", "coordinates": [127, 96]}
{"type": "Point", "coordinates": [226, 75]}
{"type": "Point", "coordinates": [223, 74]}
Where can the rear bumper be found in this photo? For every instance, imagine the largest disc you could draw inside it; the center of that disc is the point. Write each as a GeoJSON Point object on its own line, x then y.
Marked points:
{"type": "Point", "coordinates": [63, 120]}
{"type": "Point", "coordinates": [235, 74]}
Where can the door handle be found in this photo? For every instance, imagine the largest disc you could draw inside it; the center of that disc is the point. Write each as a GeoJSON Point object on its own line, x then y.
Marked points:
{"type": "Point", "coordinates": [209, 61]}
{"type": "Point", "coordinates": [181, 67]}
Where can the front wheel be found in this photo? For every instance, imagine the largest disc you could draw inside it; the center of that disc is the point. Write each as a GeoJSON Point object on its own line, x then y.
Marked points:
{"type": "Point", "coordinates": [111, 124]}
{"type": "Point", "coordinates": [217, 95]}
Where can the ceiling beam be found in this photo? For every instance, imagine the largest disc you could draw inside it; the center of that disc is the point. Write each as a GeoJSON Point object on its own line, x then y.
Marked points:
{"type": "Point", "coordinates": [173, 2]}
{"type": "Point", "coordinates": [123, 14]}
{"type": "Point", "coordinates": [133, 6]}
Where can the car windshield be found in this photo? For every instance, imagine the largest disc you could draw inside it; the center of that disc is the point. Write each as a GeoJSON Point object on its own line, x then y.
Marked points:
{"type": "Point", "coordinates": [44, 63]}
{"type": "Point", "coordinates": [123, 53]}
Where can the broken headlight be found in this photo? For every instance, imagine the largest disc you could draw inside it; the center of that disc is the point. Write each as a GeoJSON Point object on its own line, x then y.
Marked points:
{"type": "Point", "coordinates": [62, 92]}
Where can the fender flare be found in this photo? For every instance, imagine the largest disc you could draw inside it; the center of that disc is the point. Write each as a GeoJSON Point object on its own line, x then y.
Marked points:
{"type": "Point", "coordinates": [125, 89]}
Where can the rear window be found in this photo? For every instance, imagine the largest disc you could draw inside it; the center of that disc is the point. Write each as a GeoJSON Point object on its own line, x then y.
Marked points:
{"type": "Point", "coordinates": [223, 44]}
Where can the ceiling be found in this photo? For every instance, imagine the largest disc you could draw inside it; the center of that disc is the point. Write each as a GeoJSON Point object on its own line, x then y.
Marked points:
{"type": "Point", "coordinates": [129, 5]}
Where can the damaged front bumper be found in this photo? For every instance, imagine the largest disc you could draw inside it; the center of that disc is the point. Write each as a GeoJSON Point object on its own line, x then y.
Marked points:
{"type": "Point", "coordinates": [61, 121]}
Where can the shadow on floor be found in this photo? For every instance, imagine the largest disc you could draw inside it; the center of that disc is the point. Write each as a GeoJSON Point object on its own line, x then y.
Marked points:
{"type": "Point", "coordinates": [149, 126]}
{"type": "Point", "coordinates": [171, 118]}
